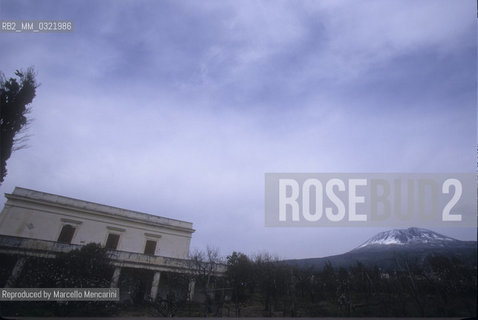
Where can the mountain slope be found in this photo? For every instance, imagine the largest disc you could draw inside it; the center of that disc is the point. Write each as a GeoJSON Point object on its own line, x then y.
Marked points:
{"type": "Point", "coordinates": [386, 248]}
{"type": "Point", "coordinates": [410, 236]}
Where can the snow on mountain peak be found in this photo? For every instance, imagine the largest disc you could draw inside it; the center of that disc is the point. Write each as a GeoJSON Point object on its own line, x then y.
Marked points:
{"type": "Point", "coordinates": [406, 236]}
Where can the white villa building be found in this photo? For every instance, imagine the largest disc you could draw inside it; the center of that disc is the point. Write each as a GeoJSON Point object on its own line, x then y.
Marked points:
{"type": "Point", "coordinates": [35, 223]}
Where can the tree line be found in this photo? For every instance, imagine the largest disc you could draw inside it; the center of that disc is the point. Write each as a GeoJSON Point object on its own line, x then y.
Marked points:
{"type": "Point", "coordinates": [441, 286]}
{"type": "Point", "coordinates": [257, 286]}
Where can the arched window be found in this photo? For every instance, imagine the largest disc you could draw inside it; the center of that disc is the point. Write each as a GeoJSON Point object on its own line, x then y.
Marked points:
{"type": "Point", "coordinates": [66, 234]}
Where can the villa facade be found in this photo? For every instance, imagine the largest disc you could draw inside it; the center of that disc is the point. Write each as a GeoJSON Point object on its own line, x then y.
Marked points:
{"type": "Point", "coordinates": [40, 224]}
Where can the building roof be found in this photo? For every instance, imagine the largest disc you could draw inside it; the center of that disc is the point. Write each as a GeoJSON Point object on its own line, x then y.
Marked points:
{"type": "Point", "coordinates": [95, 208]}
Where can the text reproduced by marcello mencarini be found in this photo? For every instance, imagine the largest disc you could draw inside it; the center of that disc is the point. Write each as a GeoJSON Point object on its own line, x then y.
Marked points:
{"type": "Point", "coordinates": [59, 294]}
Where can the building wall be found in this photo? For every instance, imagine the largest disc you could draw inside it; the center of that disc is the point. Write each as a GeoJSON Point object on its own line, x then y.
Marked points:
{"type": "Point", "coordinates": [37, 215]}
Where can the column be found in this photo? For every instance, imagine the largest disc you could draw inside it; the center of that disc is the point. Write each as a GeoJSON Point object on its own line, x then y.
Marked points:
{"type": "Point", "coordinates": [155, 285]}
{"type": "Point", "coordinates": [192, 284]}
{"type": "Point", "coordinates": [16, 271]}
{"type": "Point", "coordinates": [115, 277]}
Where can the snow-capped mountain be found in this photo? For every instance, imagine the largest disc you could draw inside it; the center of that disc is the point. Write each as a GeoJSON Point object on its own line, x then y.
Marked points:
{"type": "Point", "coordinates": [407, 237]}
{"type": "Point", "coordinates": [385, 248]}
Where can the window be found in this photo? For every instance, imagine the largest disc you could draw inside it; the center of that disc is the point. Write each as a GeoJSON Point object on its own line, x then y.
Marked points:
{"type": "Point", "coordinates": [112, 241]}
{"type": "Point", "coordinates": [150, 247]}
{"type": "Point", "coordinates": [66, 234]}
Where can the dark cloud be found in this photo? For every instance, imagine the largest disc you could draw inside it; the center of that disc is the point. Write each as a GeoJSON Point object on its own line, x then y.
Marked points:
{"type": "Point", "coordinates": [178, 108]}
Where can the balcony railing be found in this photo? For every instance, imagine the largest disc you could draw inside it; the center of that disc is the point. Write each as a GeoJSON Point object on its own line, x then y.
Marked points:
{"type": "Point", "coordinates": [49, 249]}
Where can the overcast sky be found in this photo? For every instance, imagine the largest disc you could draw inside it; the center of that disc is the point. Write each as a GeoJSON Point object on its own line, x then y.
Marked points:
{"type": "Point", "coordinates": [178, 108]}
